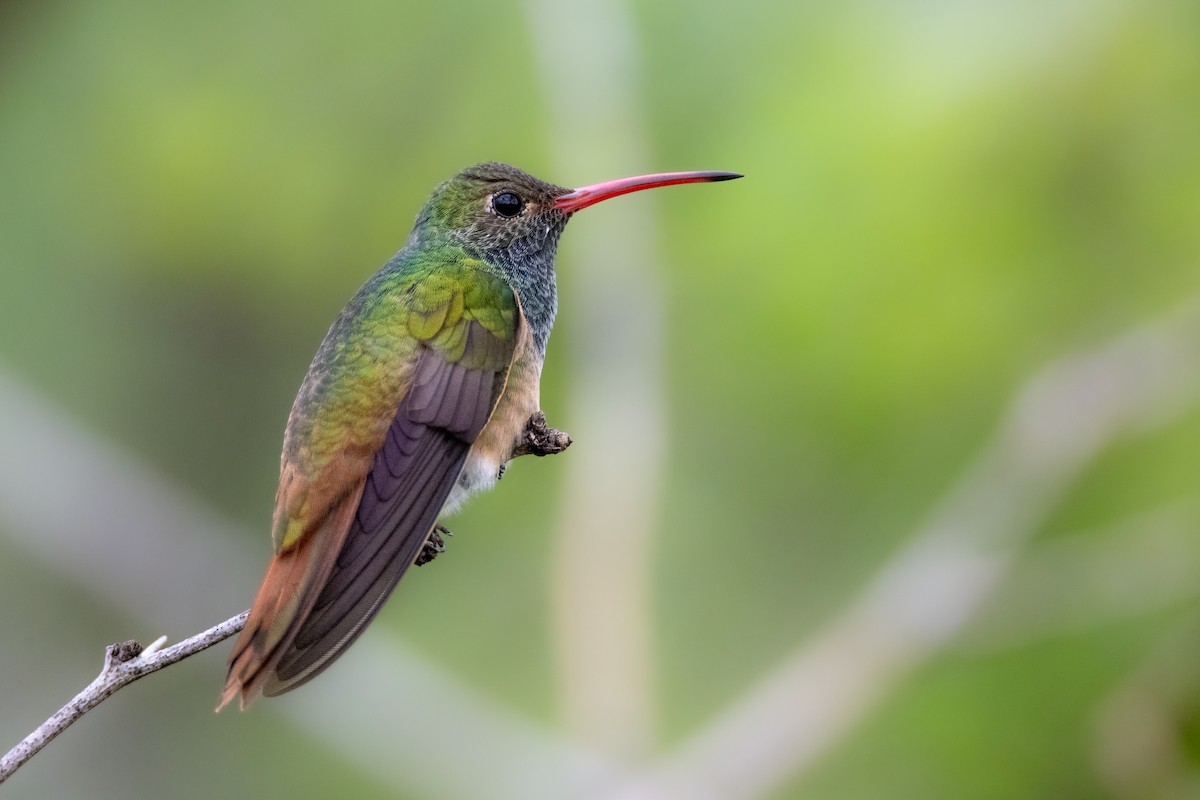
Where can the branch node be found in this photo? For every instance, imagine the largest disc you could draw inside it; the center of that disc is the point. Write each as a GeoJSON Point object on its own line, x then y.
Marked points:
{"type": "Point", "coordinates": [118, 672]}
{"type": "Point", "coordinates": [121, 652]}
{"type": "Point", "coordinates": [540, 439]}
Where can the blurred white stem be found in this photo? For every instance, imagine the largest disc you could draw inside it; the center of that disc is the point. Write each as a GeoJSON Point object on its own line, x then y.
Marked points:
{"type": "Point", "coordinates": [1076, 583]}
{"type": "Point", "coordinates": [1058, 422]}
{"type": "Point", "coordinates": [602, 569]}
{"type": "Point", "coordinates": [123, 664]}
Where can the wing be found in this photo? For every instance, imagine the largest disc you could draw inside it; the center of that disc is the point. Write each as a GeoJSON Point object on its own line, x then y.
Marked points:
{"type": "Point", "coordinates": [329, 577]}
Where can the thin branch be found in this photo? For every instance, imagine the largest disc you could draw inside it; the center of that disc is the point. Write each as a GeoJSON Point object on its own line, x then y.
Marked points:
{"type": "Point", "coordinates": [124, 663]}
{"type": "Point", "coordinates": [54, 470]}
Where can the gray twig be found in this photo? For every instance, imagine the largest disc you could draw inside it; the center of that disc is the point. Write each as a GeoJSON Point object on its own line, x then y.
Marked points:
{"type": "Point", "coordinates": [124, 663]}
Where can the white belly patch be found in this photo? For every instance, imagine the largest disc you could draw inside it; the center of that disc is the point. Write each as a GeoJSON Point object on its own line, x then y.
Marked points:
{"type": "Point", "coordinates": [479, 474]}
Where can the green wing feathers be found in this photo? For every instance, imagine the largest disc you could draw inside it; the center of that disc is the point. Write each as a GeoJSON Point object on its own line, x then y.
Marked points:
{"type": "Point", "coordinates": [398, 391]}
{"type": "Point", "coordinates": [365, 366]}
{"type": "Point", "coordinates": [442, 308]}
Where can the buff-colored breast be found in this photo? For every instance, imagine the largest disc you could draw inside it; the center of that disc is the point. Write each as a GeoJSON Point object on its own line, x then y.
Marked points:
{"type": "Point", "coordinates": [505, 428]}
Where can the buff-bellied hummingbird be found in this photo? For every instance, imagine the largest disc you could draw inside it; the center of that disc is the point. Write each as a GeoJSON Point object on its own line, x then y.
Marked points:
{"type": "Point", "coordinates": [426, 385]}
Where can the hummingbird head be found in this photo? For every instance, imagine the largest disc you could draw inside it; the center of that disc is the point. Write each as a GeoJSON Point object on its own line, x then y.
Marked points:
{"type": "Point", "coordinates": [498, 212]}
{"type": "Point", "coordinates": [512, 221]}
{"type": "Point", "coordinates": [508, 216]}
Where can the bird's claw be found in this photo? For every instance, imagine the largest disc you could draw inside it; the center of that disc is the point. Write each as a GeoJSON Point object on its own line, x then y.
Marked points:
{"type": "Point", "coordinates": [435, 545]}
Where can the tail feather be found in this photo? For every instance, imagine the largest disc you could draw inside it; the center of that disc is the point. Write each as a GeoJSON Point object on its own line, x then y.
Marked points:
{"type": "Point", "coordinates": [285, 599]}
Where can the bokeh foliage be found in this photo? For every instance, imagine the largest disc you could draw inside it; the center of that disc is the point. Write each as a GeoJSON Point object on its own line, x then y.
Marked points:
{"type": "Point", "coordinates": [940, 199]}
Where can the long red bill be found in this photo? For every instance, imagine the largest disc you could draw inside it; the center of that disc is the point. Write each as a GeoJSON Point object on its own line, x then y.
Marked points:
{"type": "Point", "coordinates": [590, 195]}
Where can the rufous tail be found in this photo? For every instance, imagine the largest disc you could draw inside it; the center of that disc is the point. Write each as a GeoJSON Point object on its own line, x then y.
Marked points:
{"type": "Point", "coordinates": [286, 597]}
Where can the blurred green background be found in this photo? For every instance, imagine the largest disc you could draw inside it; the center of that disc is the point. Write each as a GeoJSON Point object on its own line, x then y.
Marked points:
{"type": "Point", "coordinates": [897, 432]}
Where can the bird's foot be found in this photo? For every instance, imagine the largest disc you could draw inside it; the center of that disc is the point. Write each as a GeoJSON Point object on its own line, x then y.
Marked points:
{"type": "Point", "coordinates": [435, 545]}
{"type": "Point", "coordinates": [541, 440]}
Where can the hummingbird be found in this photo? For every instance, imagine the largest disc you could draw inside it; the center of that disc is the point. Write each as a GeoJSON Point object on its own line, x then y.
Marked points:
{"type": "Point", "coordinates": [424, 388]}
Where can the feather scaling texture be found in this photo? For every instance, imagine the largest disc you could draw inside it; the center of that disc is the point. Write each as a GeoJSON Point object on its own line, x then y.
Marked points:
{"type": "Point", "coordinates": [415, 399]}
{"type": "Point", "coordinates": [403, 384]}
{"type": "Point", "coordinates": [413, 474]}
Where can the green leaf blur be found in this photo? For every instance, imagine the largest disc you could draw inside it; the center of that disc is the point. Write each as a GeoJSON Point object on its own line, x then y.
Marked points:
{"type": "Point", "coordinates": [941, 200]}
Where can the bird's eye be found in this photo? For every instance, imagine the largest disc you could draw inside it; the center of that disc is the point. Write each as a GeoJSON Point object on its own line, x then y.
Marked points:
{"type": "Point", "coordinates": [507, 204]}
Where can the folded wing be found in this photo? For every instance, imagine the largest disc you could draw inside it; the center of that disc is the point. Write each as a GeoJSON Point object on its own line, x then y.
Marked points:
{"type": "Point", "coordinates": [321, 590]}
